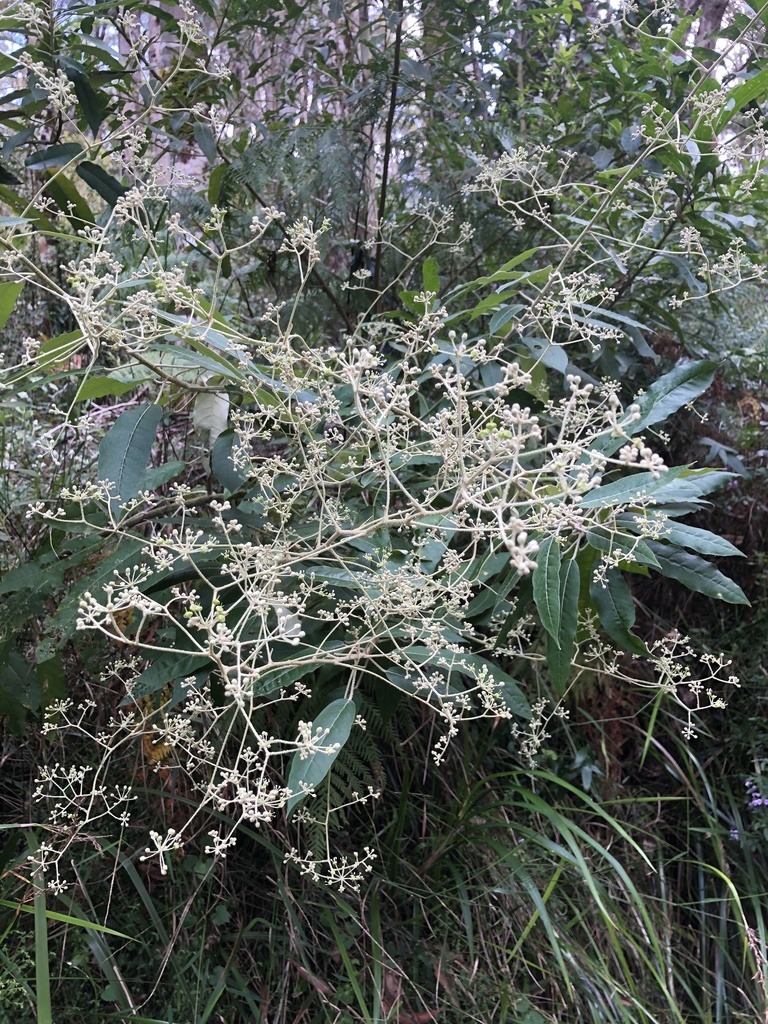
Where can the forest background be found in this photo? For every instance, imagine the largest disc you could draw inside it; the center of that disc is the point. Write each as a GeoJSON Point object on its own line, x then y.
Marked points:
{"type": "Point", "coordinates": [383, 501]}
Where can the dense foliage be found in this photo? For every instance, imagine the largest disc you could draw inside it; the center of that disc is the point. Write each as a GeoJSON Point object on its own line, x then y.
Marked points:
{"type": "Point", "coordinates": [353, 496]}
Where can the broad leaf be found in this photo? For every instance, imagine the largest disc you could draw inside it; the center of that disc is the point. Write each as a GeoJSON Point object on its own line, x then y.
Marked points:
{"type": "Point", "coordinates": [523, 597]}
{"type": "Point", "coordinates": [54, 156]}
{"type": "Point", "coordinates": [210, 413]}
{"type": "Point", "coordinates": [275, 679]}
{"type": "Point", "coordinates": [58, 350]}
{"type": "Point", "coordinates": [743, 94]}
{"type": "Point", "coordinates": [100, 387]}
{"type": "Point", "coordinates": [663, 398]}
{"type": "Point", "coordinates": [18, 678]}
{"type": "Point", "coordinates": [9, 293]}
{"type": "Point", "coordinates": [51, 677]}
{"type": "Point", "coordinates": [63, 626]}
{"type": "Point", "coordinates": [476, 668]}
{"type": "Point", "coordinates": [493, 594]}
{"type": "Point", "coordinates": [92, 104]}
{"type": "Point", "coordinates": [616, 610]}
{"type": "Point", "coordinates": [679, 484]}
{"type": "Point", "coordinates": [7, 177]}
{"type": "Point", "coordinates": [206, 140]}
{"type": "Point", "coordinates": [546, 587]}
{"type": "Point", "coordinates": [333, 726]}
{"type": "Point", "coordinates": [125, 450]}
{"type": "Point", "coordinates": [672, 391]}
{"type": "Point", "coordinates": [683, 536]}
{"type": "Point", "coordinates": [430, 275]}
{"type": "Point", "coordinates": [634, 329]}
{"type": "Point", "coordinates": [631, 549]}
{"type": "Point", "coordinates": [697, 574]}
{"type": "Point", "coordinates": [109, 188]}
{"type": "Point", "coordinates": [21, 206]}
{"type": "Point", "coordinates": [560, 654]}
{"type": "Point", "coordinates": [13, 710]}
{"type": "Point", "coordinates": [63, 192]}
{"type": "Point", "coordinates": [158, 476]}
{"type": "Point", "coordinates": [165, 669]}
{"type": "Point", "coordinates": [222, 466]}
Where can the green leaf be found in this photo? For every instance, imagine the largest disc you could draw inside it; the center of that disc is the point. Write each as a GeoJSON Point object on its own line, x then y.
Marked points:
{"type": "Point", "coordinates": [679, 484]}
{"type": "Point", "coordinates": [205, 139]}
{"type": "Point", "coordinates": [125, 450]}
{"type": "Point", "coordinates": [157, 476]}
{"type": "Point", "coordinates": [560, 654]}
{"type": "Point", "coordinates": [475, 667]}
{"type": "Point", "coordinates": [492, 595]}
{"type": "Point", "coordinates": [91, 103]}
{"type": "Point", "coordinates": [165, 669]}
{"type": "Point", "coordinates": [54, 156]}
{"type": "Point", "coordinates": [684, 536]}
{"type": "Point", "coordinates": [63, 624]}
{"type": "Point", "coordinates": [24, 209]}
{"type": "Point", "coordinates": [215, 181]}
{"type": "Point", "coordinates": [502, 317]}
{"type": "Point", "coordinates": [78, 922]}
{"type": "Point", "coordinates": [12, 709]}
{"type": "Point", "coordinates": [739, 97]}
{"type": "Point", "coordinates": [503, 273]}
{"type": "Point", "coordinates": [62, 191]}
{"type": "Point", "coordinates": [99, 387]}
{"type": "Point", "coordinates": [672, 391]}
{"type": "Point", "coordinates": [553, 356]}
{"type": "Point", "coordinates": [18, 678]}
{"type": "Point", "coordinates": [34, 575]}
{"type": "Point", "coordinates": [430, 276]}
{"type": "Point", "coordinates": [523, 597]}
{"type": "Point", "coordinates": [276, 678]}
{"type": "Point", "coordinates": [333, 726]}
{"type": "Point", "coordinates": [58, 350]}
{"type": "Point", "coordinates": [697, 574]}
{"type": "Point", "coordinates": [9, 293]}
{"type": "Point", "coordinates": [491, 302]}
{"type": "Point", "coordinates": [683, 268]}
{"type": "Point", "coordinates": [204, 338]}
{"type": "Point", "coordinates": [222, 466]}
{"type": "Point", "coordinates": [633, 328]}
{"type": "Point", "coordinates": [631, 549]}
{"type": "Point", "coordinates": [546, 587]}
{"type": "Point", "coordinates": [7, 177]}
{"type": "Point", "coordinates": [42, 960]}
{"type": "Point", "coordinates": [109, 188]}
{"type": "Point", "coordinates": [616, 610]}
{"type": "Point", "coordinates": [663, 398]}
{"type": "Point", "coordinates": [51, 678]}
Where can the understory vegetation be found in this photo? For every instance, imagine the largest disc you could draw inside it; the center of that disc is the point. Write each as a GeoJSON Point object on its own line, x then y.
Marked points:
{"type": "Point", "coordinates": [382, 511]}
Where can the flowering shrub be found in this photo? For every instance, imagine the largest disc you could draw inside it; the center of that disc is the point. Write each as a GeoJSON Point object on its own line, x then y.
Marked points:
{"type": "Point", "coordinates": [440, 501]}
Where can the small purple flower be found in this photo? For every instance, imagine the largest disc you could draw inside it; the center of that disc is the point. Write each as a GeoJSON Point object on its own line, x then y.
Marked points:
{"type": "Point", "coordinates": [734, 833]}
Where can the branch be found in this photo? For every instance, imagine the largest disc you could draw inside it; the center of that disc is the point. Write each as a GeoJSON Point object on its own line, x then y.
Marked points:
{"type": "Point", "coordinates": [388, 148]}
